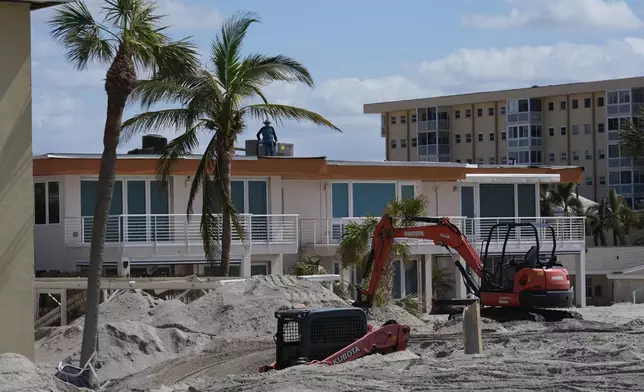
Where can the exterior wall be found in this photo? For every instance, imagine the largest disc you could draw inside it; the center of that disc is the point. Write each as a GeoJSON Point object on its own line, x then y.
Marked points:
{"type": "Point", "coordinates": [443, 198]}
{"type": "Point", "coordinates": [398, 140]}
{"type": "Point", "coordinates": [601, 147]}
{"type": "Point", "coordinates": [581, 142]}
{"type": "Point", "coordinates": [16, 182]}
{"type": "Point", "coordinates": [501, 126]}
{"type": "Point", "coordinates": [485, 124]}
{"type": "Point", "coordinates": [463, 126]}
{"type": "Point", "coordinates": [623, 290]}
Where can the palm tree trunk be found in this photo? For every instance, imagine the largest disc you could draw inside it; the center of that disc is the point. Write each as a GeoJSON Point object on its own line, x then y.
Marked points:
{"type": "Point", "coordinates": [226, 226]}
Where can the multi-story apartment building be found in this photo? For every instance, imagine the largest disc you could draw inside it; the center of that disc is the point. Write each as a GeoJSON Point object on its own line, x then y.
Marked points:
{"type": "Point", "coordinates": [570, 124]}
{"type": "Point", "coordinates": [290, 206]}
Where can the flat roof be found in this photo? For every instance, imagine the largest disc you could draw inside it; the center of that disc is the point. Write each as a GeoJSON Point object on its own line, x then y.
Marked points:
{"type": "Point", "coordinates": [300, 168]}
{"type": "Point", "coordinates": [38, 4]}
{"type": "Point", "coordinates": [503, 95]}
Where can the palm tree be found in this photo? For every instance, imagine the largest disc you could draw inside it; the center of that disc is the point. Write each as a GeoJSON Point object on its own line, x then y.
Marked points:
{"type": "Point", "coordinates": [215, 103]}
{"type": "Point", "coordinates": [128, 41]}
{"type": "Point", "coordinates": [631, 136]}
{"type": "Point", "coordinates": [612, 213]}
{"type": "Point", "coordinates": [561, 196]}
{"type": "Point", "coordinates": [355, 246]}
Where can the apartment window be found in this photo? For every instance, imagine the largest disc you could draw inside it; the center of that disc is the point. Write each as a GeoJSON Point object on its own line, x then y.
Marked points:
{"type": "Point", "coordinates": [562, 131]}
{"type": "Point", "coordinates": [403, 119]}
{"type": "Point", "coordinates": [503, 110]}
{"type": "Point", "coordinates": [575, 129]}
{"type": "Point", "coordinates": [480, 137]}
{"type": "Point", "coordinates": [587, 129]}
{"type": "Point", "coordinates": [414, 142]}
{"type": "Point", "coordinates": [468, 138]}
{"type": "Point", "coordinates": [393, 119]}
{"type": "Point", "coordinates": [564, 156]}
{"type": "Point", "coordinates": [601, 154]}
{"type": "Point", "coordinates": [551, 131]}
{"type": "Point", "coordinates": [491, 136]}
{"type": "Point", "coordinates": [468, 113]}
{"type": "Point", "coordinates": [414, 118]}
{"type": "Point", "coordinates": [602, 180]}
{"type": "Point", "coordinates": [393, 143]}
{"type": "Point", "coordinates": [589, 155]}
{"type": "Point", "coordinates": [457, 138]}
{"type": "Point", "coordinates": [504, 135]}
{"type": "Point", "coordinates": [575, 103]}
{"type": "Point", "coordinates": [504, 160]}
{"type": "Point", "coordinates": [587, 102]}
{"type": "Point", "coordinates": [403, 143]}
{"type": "Point", "coordinates": [551, 106]}
{"type": "Point", "coordinates": [589, 181]}
{"type": "Point", "coordinates": [562, 105]}
{"type": "Point", "coordinates": [492, 160]}
{"type": "Point", "coordinates": [575, 155]}
{"type": "Point", "coordinates": [601, 128]}
{"type": "Point", "coordinates": [457, 114]}
{"type": "Point", "coordinates": [47, 202]}
{"type": "Point", "coordinates": [480, 161]}
{"type": "Point", "coordinates": [479, 112]}
{"type": "Point", "coordinates": [551, 157]}
{"type": "Point", "coordinates": [490, 111]}
{"type": "Point", "coordinates": [600, 101]}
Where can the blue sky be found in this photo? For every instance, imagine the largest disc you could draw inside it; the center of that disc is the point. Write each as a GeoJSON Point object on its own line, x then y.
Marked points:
{"type": "Point", "coordinates": [363, 51]}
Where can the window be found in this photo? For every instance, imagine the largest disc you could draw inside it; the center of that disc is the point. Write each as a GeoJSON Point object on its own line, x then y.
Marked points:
{"type": "Point", "coordinates": [562, 130]}
{"type": "Point", "coordinates": [492, 160]}
{"type": "Point", "coordinates": [601, 128]}
{"type": "Point", "coordinates": [575, 103]}
{"type": "Point", "coordinates": [589, 288]}
{"type": "Point", "coordinates": [602, 180]}
{"type": "Point", "coordinates": [551, 157]}
{"type": "Point", "coordinates": [562, 105]}
{"type": "Point", "coordinates": [491, 136]}
{"type": "Point", "coordinates": [589, 181]}
{"type": "Point", "coordinates": [601, 154]}
{"type": "Point", "coordinates": [393, 143]}
{"type": "Point", "coordinates": [468, 113]}
{"type": "Point", "coordinates": [504, 135]}
{"type": "Point", "coordinates": [587, 102]}
{"type": "Point", "coordinates": [551, 131]}
{"type": "Point", "coordinates": [468, 138]}
{"type": "Point", "coordinates": [587, 129]}
{"type": "Point", "coordinates": [403, 143]}
{"type": "Point", "coordinates": [403, 119]}
{"type": "Point", "coordinates": [504, 160]}
{"type": "Point", "coordinates": [490, 111]}
{"type": "Point", "coordinates": [47, 202]}
{"type": "Point", "coordinates": [414, 142]}
{"type": "Point", "coordinates": [551, 106]}
{"type": "Point", "coordinates": [564, 156]}
{"type": "Point", "coordinates": [393, 119]}
{"type": "Point", "coordinates": [600, 101]}
{"type": "Point", "coordinates": [589, 155]}
{"type": "Point", "coordinates": [407, 191]}
{"type": "Point", "coordinates": [457, 138]}
{"type": "Point", "coordinates": [503, 110]}
{"type": "Point", "coordinates": [575, 129]}
{"type": "Point", "coordinates": [457, 114]}
{"type": "Point", "coordinates": [479, 112]}
{"type": "Point", "coordinates": [413, 118]}
{"type": "Point", "coordinates": [575, 155]}
{"type": "Point", "coordinates": [480, 161]}
{"type": "Point", "coordinates": [480, 137]}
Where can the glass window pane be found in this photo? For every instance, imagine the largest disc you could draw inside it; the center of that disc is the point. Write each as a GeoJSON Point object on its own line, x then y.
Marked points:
{"type": "Point", "coordinates": [160, 207]}
{"type": "Point", "coordinates": [40, 194]}
{"type": "Point", "coordinates": [340, 199]}
{"type": "Point", "coordinates": [527, 200]}
{"type": "Point", "coordinates": [259, 269]}
{"type": "Point", "coordinates": [53, 198]}
{"type": "Point", "coordinates": [497, 200]}
{"type": "Point", "coordinates": [370, 199]}
{"type": "Point", "coordinates": [237, 195]}
{"type": "Point", "coordinates": [411, 278]}
{"type": "Point", "coordinates": [407, 192]}
{"type": "Point", "coordinates": [397, 287]}
{"type": "Point", "coordinates": [136, 205]}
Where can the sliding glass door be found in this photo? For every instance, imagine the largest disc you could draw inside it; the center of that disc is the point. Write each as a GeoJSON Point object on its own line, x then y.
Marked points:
{"type": "Point", "coordinates": [89, 191]}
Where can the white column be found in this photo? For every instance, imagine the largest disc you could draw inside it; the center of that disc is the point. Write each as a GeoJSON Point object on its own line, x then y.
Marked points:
{"type": "Point", "coordinates": [63, 307]}
{"type": "Point", "coordinates": [420, 279]}
{"type": "Point", "coordinates": [36, 304]}
{"type": "Point", "coordinates": [277, 265]}
{"type": "Point", "coordinates": [245, 267]}
{"type": "Point", "coordinates": [459, 284]}
{"type": "Point", "coordinates": [580, 279]}
{"type": "Point", "coordinates": [428, 281]}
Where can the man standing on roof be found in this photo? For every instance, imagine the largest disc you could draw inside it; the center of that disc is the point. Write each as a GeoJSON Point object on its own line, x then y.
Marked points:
{"type": "Point", "coordinates": [268, 138]}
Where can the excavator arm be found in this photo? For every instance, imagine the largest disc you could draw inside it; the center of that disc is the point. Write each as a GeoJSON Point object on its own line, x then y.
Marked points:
{"type": "Point", "coordinates": [442, 232]}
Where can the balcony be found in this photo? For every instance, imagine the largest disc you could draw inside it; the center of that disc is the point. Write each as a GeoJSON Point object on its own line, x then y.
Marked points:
{"type": "Point", "coordinates": [325, 234]}
{"type": "Point", "coordinates": [174, 236]}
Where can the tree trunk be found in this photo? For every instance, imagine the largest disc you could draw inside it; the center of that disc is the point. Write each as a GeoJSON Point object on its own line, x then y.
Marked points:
{"type": "Point", "coordinates": [226, 226]}
{"type": "Point", "coordinates": [119, 83]}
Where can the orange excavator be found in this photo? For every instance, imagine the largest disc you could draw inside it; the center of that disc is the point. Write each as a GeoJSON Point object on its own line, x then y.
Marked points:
{"type": "Point", "coordinates": [530, 287]}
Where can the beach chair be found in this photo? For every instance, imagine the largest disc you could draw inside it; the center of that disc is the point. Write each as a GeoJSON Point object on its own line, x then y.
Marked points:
{"type": "Point", "coordinates": [80, 376]}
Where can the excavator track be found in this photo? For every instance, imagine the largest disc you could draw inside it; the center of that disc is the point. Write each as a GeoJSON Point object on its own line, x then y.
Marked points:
{"type": "Point", "coordinates": [504, 315]}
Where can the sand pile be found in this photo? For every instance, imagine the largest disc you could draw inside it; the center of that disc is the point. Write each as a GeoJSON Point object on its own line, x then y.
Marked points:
{"type": "Point", "coordinates": [130, 305]}
{"type": "Point", "coordinates": [17, 373]}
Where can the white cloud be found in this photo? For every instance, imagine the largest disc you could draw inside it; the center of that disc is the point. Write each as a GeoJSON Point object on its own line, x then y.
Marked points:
{"type": "Point", "coordinates": [604, 14]}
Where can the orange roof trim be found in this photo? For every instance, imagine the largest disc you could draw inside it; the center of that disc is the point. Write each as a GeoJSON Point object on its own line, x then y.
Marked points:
{"type": "Point", "coordinates": [301, 168]}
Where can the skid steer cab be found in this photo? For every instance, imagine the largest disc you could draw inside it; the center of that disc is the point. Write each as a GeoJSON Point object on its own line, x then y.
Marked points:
{"type": "Point", "coordinates": [331, 337]}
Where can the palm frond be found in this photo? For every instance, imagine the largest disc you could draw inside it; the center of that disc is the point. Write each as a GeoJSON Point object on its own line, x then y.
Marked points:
{"type": "Point", "coordinates": [166, 118]}
{"type": "Point", "coordinates": [258, 70]}
{"type": "Point", "coordinates": [278, 113]}
{"type": "Point", "coordinates": [411, 303]}
{"type": "Point", "coordinates": [307, 265]}
{"type": "Point", "coordinates": [631, 136]}
{"type": "Point", "coordinates": [177, 149]}
{"type": "Point", "coordinates": [355, 243]}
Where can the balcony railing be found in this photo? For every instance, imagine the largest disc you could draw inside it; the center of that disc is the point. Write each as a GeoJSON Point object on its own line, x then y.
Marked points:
{"type": "Point", "coordinates": [173, 229]}
{"type": "Point", "coordinates": [566, 229]}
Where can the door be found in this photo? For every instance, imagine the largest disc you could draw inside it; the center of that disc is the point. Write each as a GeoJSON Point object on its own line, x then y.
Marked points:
{"type": "Point", "coordinates": [160, 209]}
{"type": "Point", "coordinates": [258, 207]}
{"type": "Point", "coordinates": [89, 191]}
{"type": "Point", "coordinates": [137, 219]}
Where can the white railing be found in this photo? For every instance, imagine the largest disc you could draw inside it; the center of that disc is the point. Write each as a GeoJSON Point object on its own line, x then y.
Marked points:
{"type": "Point", "coordinates": [171, 229]}
{"type": "Point", "coordinates": [566, 230]}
